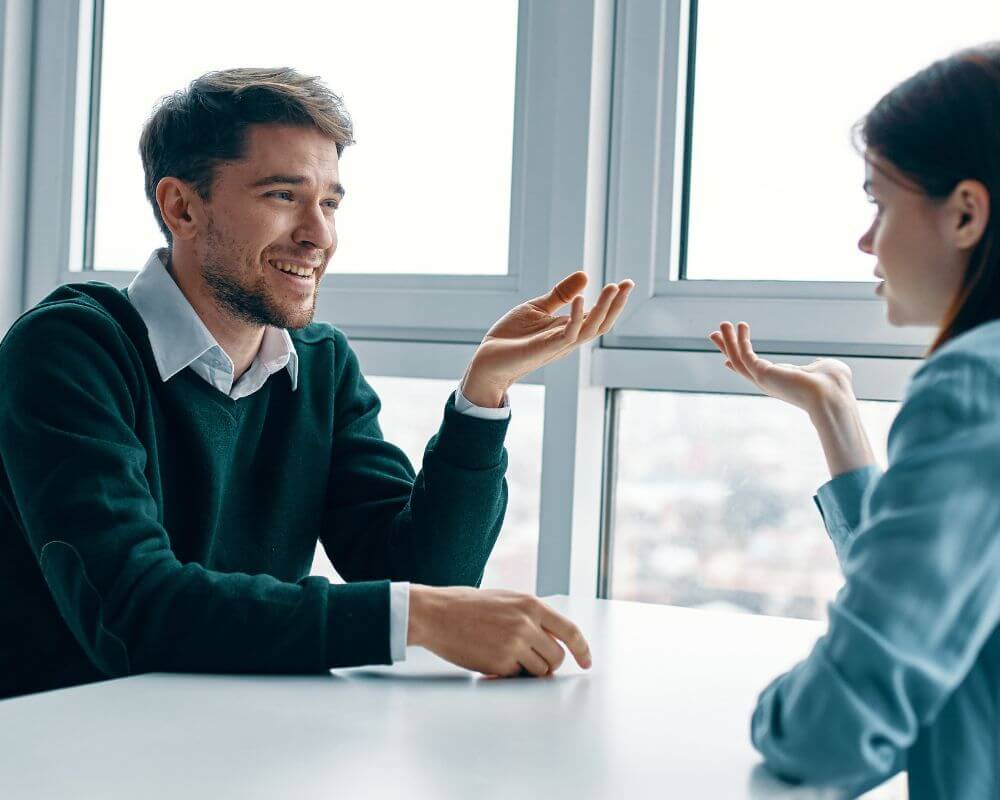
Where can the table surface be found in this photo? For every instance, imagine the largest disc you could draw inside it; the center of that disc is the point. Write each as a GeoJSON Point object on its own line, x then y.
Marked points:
{"type": "Point", "coordinates": [664, 712]}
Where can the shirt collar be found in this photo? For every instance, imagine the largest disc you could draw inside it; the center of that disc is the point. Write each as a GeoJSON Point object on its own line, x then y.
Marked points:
{"type": "Point", "coordinates": [177, 335]}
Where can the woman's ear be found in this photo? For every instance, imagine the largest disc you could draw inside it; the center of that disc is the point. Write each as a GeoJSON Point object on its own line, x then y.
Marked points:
{"type": "Point", "coordinates": [969, 206]}
{"type": "Point", "coordinates": [180, 206]}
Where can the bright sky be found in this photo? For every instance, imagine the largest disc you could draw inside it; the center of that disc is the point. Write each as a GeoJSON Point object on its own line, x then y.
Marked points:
{"type": "Point", "coordinates": [775, 183]}
{"type": "Point", "coordinates": [430, 87]}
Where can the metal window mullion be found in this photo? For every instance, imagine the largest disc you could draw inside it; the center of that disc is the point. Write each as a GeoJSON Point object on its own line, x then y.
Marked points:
{"type": "Point", "coordinates": [16, 38]}
{"type": "Point", "coordinates": [93, 134]}
{"type": "Point", "coordinates": [609, 487]}
{"type": "Point", "coordinates": [51, 155]}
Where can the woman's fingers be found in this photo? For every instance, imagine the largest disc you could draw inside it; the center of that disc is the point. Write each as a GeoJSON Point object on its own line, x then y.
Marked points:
{"type": "Point", "coordinates": [733, 349]}
{"type": "Point", "coordinates": [747, 355]}
{"type": "Point", "coordinates": [734, 343]}
{"type": "Point", "coordinates": [719, 342]}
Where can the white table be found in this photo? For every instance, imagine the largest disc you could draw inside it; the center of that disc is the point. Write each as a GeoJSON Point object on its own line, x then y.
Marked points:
{"type": "Point", "coordinates": [664, 713]}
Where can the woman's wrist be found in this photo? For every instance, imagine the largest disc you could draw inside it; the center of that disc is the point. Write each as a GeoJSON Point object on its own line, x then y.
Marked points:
{"type": "Point", "coordinates": [837, 419]}
{"type": "Point", "coordinates": [832, 406]}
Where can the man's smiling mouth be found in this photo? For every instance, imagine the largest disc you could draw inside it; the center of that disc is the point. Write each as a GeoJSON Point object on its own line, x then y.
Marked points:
{"type": "Point", "coordinates": [292, 268]}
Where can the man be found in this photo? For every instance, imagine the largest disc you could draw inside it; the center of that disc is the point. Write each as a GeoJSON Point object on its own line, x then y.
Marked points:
{"type": "Point", "coordinates": [170, 455]}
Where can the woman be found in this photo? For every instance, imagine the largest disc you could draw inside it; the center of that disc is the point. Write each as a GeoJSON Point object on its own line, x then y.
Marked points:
{"type": "Point", "coordinates": [908, 674]}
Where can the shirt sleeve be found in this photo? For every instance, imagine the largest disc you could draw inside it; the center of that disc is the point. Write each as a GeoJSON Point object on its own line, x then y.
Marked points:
{"type": "Point", "coordinates": [921, 596]}
{"type": "Point", "coordinates": [399, 619]}
{"type": "Point", "coordinates": [465, 406]}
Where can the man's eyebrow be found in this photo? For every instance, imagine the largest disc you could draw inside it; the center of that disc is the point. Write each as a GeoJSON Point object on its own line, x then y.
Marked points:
{"type": "Point", "coordinates": [294, 180]}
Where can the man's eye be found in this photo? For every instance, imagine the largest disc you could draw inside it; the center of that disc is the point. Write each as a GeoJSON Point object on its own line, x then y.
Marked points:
{"type": "Point", "coordinates": [332, 204]}
{"type": "Point", "coordinates": [281, 195]}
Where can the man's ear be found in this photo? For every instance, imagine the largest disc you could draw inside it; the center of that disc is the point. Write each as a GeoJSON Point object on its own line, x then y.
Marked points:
{"type": "Point", "coordinates": [180, 206]}
{"type": "Point", "coordinates": [970, 213]}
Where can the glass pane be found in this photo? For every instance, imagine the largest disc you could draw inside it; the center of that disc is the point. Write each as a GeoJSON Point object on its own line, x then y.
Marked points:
{"type": "Point", "coordinates": [775, 182]}
{"type": "Point", "coordinates": [430, 87]}
{"type": "Point", "coordinates": [411, 414]}
{"type": "Point", "coordinates": [714, 503]}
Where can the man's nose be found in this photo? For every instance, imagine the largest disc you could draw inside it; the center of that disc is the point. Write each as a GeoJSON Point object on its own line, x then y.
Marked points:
{"type": "Point", "coordinates": [315, 230]}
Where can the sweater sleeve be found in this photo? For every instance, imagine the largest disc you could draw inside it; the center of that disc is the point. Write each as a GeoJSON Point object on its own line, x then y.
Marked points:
{"type": "Point", "coordinates": [921, 597]}
{"type": "Point", "coordinates": [72, 394]}
{"type": "Point", "coordinates": [437, 527]}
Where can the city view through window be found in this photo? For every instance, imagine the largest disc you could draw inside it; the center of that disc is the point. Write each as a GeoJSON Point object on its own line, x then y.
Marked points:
{"type": "Point", "coordinates": [714, 505]}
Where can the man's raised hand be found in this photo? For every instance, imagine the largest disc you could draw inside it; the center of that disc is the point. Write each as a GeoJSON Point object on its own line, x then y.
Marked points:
{"type": "Point", "coordinates": [530, 336]}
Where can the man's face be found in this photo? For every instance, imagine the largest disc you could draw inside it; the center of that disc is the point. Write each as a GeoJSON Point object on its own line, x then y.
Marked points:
{"type": "Point", "coordinates": [270, 230]}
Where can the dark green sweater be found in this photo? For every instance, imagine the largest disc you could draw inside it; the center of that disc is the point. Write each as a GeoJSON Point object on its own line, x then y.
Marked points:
{"type": "Point", "coordinates": [162, 526]}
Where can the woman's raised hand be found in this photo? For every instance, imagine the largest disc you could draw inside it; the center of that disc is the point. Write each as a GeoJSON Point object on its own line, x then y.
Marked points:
{"type": "Point", "coordinates": [810, 387]}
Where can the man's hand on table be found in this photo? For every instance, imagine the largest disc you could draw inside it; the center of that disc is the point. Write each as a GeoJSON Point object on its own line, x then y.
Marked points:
{"type": "Point", "coordinates": [493, 631]}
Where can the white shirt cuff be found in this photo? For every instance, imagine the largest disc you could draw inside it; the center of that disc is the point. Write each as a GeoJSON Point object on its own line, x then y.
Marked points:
{"type": "Point", "coordinates": [464, 406]}
{"type": "Point", "coordinates": [399, 619]}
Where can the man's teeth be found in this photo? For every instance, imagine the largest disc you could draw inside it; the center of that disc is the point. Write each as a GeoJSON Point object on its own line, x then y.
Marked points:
{"type": "Point", "coordinates": [294, 269]}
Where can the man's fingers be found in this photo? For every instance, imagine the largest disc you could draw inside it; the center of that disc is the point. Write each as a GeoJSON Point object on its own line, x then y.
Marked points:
{"type": "Point", "coordinates": [624, 290]}
{"type": "Point", "coordinates": [531, 662]}
{"type": "Point", "coordinates": [599, 312]}
{"type": "Point", "coordinates": [562, 293]}
{"type": "Point", "coordinates": [566, 632]}
{"type": "Point", "coordinates": [548, 648]}
{"type": "Point", "coordinates": [572, 330]}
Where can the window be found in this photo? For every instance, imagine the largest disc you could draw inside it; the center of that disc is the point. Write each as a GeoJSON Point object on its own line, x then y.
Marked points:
{"type": "Point", "coordinates": [433, 113]}
{"type": "Point", "coordinates": [714, 508]}
{"type": "Point", "coordinates": [734, 189]}
{"type": "Point", "coordinates": [411, 413]}
{"type": "Point", "coordinates": [777, 87]}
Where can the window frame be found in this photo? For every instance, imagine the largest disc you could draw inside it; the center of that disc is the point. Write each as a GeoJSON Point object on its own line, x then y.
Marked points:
{"type": "Point", "coordinates": [16, 28]}
{"type": "Point", "coordinates": [651, 124]}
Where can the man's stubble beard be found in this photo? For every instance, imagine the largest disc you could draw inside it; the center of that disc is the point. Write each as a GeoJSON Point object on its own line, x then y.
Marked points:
{"type": "Point", "coordinates": [225, 269]}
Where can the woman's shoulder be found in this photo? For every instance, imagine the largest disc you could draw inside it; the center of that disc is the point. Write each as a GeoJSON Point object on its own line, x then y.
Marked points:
{"type": "Point", "coordinates": [973, 356]}
{"type": "Point", "coordinates": [955, 391]}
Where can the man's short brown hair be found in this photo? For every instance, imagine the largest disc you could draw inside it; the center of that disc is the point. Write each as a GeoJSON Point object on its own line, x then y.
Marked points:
{"type": "Point", "coordinates": [191, 131]}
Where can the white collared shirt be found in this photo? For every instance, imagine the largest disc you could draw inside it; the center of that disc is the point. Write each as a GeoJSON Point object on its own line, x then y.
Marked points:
{"type": "Point", "coordinates": [180, 339]}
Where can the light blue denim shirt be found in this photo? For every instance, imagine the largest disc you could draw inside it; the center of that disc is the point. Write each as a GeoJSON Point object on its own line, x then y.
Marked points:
{"type": "Point", "coordinates": [179, 339]}
{"type": "Point", "coordinates": [908, 674]}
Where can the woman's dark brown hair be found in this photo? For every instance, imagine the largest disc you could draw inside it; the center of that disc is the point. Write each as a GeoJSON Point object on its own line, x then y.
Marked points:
{"type": "Point", "coordinates": [191, 131]}
{"type": "Point", "coordinates": [938, 128]}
